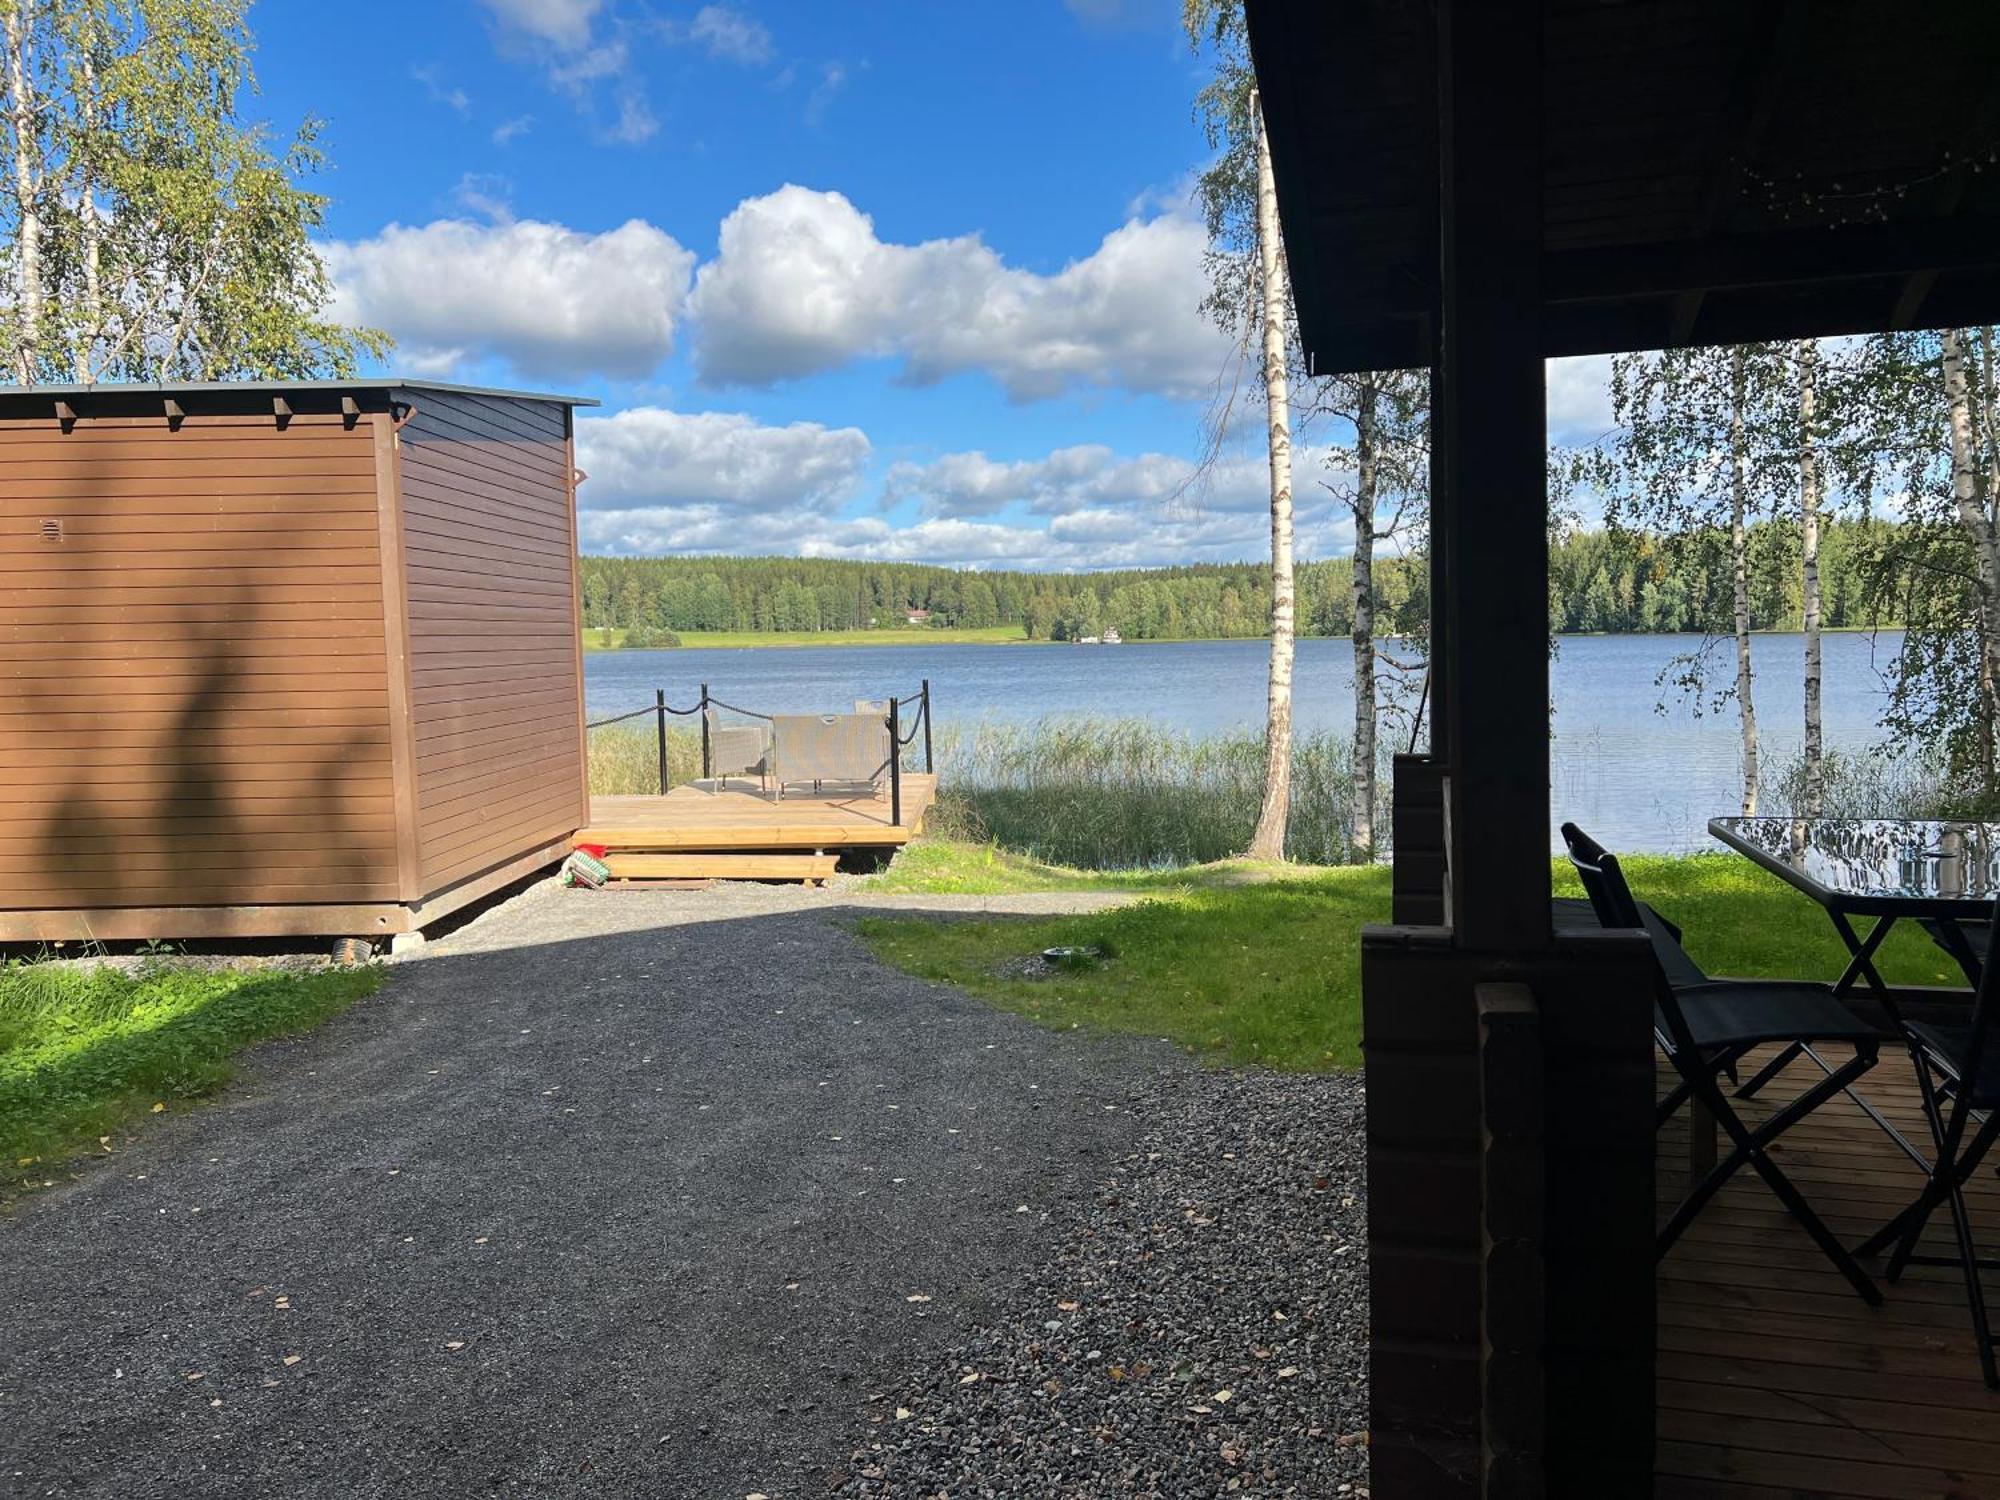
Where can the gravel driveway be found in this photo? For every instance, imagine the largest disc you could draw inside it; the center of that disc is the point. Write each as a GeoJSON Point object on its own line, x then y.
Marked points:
{"type": "Point", "coordinates": [617, 1194]}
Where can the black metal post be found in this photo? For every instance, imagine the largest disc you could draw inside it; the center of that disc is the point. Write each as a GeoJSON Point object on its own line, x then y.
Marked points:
{"type": "Point", "coordinates": [660, 713]}
{"type": "Point", "coordinates": [928, 767]}
{"type": "Point", "coordinates": [707, 774]}
{"type": "Point", "coordinates": [895, 765]}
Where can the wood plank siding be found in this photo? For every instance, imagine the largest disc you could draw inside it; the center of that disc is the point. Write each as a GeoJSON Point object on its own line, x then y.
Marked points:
{"type": "Point", "coordinates": [494, 663]}
{"type": "Point", "coordinates": [193, 704]}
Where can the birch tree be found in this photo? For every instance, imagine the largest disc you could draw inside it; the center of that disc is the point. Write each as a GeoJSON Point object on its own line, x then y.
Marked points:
{"type": "Point", "coordinates": [1389, 414]}
{"type": "Point", "coordinates": [1923, 432]}
{"type": "Point", "coordinates": [1812, 797]}
{"type": "Point", "coordinates": [1268, 840]}
{"type": "Point", "coordinates": [1700, 443]}
{"type": "Point", "coordinates": [1249, 295]}
{"type": "Point", "coordinates": [151, 231]}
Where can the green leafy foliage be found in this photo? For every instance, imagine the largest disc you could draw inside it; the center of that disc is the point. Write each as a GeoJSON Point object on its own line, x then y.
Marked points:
{"type": "Point", "coordinates": [149, 230]}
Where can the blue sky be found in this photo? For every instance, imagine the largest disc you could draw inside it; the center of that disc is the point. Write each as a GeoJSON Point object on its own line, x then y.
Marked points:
{"type": "Point", "coordinates": [876, 279]}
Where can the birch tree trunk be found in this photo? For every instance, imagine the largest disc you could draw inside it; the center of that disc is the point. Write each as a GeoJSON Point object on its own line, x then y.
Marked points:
{"type": "Point", "coordinates": [1364, 619]}
{"type": "Point", "coordinates": [1739, 565]}
{"type": "Point", "coordinates": [1813, 794]}
{"type": "Point", "coordinates": [1268, 842]}
{"type": "Point", "coordinates": [92, 329]}
{"type": "Point", "coordinates": [21, 109]}
{"type": "Point", "coordinates": [1977, 520]}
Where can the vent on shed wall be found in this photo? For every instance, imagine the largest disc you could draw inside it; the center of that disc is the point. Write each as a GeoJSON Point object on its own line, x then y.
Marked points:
{"type": "Point", "coordinates": [52, 530]}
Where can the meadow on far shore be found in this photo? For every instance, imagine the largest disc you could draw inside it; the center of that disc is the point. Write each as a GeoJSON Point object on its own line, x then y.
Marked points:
{"type": "Point", "coordinates": [610, 638]}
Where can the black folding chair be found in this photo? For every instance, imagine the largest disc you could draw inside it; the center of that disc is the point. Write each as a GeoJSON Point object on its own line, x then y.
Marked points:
{"type": "Point", "coordinates": [1958, 1082]}
{"type": "Point", "coordinates": [1966, 939]}
{"type": "Point", "coordinates": [1705, 1026]}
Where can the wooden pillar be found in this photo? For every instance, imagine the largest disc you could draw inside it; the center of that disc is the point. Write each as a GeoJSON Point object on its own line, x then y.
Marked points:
{"type": "Point", "coordinates": [1492, 536]}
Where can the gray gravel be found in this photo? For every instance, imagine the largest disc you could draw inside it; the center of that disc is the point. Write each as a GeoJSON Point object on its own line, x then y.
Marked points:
{"type": "Point", "coordinates": [614, 1194]}
{"type": "Point", "coordinates": [1201, 1330]}
{"type": "Point", "coordinates": [608, 1194]}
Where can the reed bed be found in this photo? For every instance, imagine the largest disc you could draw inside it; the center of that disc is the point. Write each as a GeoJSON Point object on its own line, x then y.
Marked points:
{"type": "Point", "coordinates": [1124, 794]}
{"type": "Point", "coordinates": [625, 759]}
{"type": "Point", "coordinates": [1867, 784]}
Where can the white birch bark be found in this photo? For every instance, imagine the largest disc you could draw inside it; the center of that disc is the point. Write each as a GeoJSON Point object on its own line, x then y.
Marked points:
{"type": "Point", "coordinates": [1739, 504]}
{"type": "Point", "coordinates": [1977, 520]}
{"type": "Point", "coordinates": [1813, 793]}
{"type": "Point", "coordinates": [1268, 842]}
{"type": "Point", "coordinates": [1364, 619]}
{"type": "Point", "coordinates": [89, 226]}
{"type": "Point", "coordinates": [22, 111]}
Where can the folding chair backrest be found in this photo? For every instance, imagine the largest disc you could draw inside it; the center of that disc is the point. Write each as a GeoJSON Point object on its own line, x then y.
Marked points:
{"type": "Point", "coordinates": [1610, 897]}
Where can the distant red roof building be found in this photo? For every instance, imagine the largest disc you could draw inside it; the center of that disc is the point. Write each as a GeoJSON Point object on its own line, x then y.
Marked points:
{"type": "Point", "coordinates": [918, 616]}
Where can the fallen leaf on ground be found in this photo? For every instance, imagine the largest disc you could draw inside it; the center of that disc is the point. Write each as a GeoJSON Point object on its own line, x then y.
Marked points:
{"type": "Point", "coordinates": [918, 1297]}
{"type": "Point", "coordinates": [292, 1359]}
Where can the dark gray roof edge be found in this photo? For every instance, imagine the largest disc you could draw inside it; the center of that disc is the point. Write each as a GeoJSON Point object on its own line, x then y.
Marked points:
{"type": "Point", "coordinates": [386, 383]}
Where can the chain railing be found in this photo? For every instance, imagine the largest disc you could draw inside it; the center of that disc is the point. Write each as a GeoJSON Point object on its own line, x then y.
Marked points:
{"type": "Point", "coordinates": [919, 723]}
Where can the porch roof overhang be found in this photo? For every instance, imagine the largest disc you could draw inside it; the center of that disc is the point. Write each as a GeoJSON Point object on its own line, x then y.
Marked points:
{"type": "Point", "coordinates": [1714, 171]}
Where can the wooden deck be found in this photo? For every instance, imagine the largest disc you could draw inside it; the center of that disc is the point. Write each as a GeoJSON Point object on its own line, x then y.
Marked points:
{"type": "Point", "coordinates": [1775, 1380]}
{"type": "Point", "coordinates": [728, 824]}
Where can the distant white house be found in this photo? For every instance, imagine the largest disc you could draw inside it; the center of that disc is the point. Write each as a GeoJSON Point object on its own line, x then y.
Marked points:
{"type": "Point", "coordinates": [918, 616]}
{"type": "Point", "coordinates": [1113, 638]}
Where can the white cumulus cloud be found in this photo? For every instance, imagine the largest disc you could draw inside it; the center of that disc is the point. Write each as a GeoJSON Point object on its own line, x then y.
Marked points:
{"type": "Point", "coordinates": [549, 300]}
{"type": "Point", "coordinates": [650, 458]}
{"type": "Point", "coordinates": [803, 284]}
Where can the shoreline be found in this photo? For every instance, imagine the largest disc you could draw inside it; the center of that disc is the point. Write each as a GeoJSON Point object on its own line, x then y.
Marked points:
{"type": "Point", "coordinates": [594, 642]}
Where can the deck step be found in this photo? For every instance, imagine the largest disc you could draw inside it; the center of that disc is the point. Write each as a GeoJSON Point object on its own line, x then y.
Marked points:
{"type": "Point", "coordinates": [722, 865]}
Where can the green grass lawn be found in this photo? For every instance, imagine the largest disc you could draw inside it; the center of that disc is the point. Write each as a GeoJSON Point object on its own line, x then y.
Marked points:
{"type": "Point", "coordinates": [85, 1049]}
{"type": "Point", "coordinates": [603, 638]}
{"type": "Point", "coordinates": [1242, 965]}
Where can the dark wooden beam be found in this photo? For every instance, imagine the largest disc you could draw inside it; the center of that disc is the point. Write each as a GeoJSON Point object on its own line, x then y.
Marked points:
{"type": "Point", "coordinates": [1492, 392]}
{"type": "Point", "coordinates": [1794, 257]}
{"type": "Point", "coordinates": [1949, 194]}
{"type": "Point", "coordinates": [176, 414]}
{"type": "Point", "coordinates": [66, 416]}
{"type": "Point", "coordinates": [281, 409]}
{"type": "Point", "coordinates": [1758, 84]}
{"type": "Point", "coordinates": [350, 411]}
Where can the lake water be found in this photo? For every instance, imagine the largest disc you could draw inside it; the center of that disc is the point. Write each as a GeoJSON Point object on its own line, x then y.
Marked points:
{"type": "Point", "coordinates": [1635, 777]}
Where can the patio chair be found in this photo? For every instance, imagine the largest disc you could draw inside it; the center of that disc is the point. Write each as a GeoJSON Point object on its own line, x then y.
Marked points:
{"type": "Point", "coordinates": [1958, 1084]}
{"type": "Point", "coordinates": [1705, 1025]}
{"type": "Point", "coordinates": [736, 750]}
{"type": "Point", "coordinates": [846, 749]}
{"type": "Point", "coordinates": [1966, 939]}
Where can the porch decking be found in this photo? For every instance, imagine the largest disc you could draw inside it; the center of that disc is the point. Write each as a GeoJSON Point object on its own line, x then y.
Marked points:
{"type": "Point", "coordinates": [1775, 1380]}
{"type": "Point", "coordinates": [691, 821]}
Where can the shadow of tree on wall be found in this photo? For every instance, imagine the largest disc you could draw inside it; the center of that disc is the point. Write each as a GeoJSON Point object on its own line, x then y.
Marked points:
{"type": "Point", "coordinates": [157, 811]}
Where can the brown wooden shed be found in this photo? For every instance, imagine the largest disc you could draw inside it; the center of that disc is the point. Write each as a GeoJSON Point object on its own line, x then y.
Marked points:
{"type": "Point", "coordinates": [294, 657]}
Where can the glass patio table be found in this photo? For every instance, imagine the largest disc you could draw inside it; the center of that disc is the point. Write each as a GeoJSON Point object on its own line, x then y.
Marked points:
{"type": "Point", "coordinates": [1890, 870]}
{"type": "Point", "coordinates": [1943, 874]}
